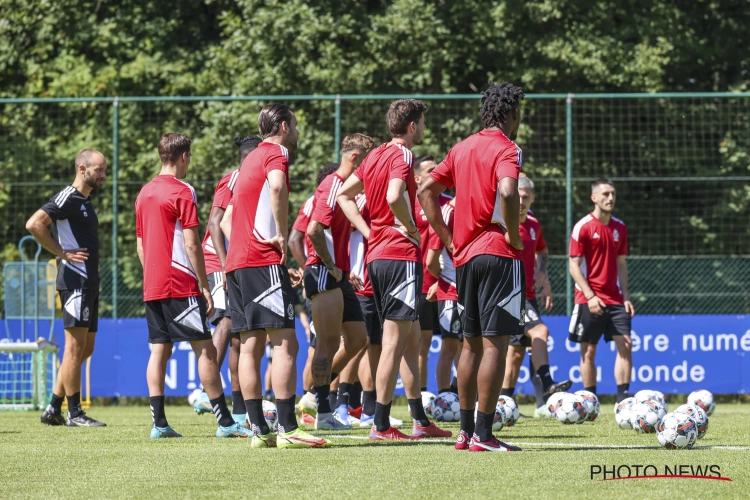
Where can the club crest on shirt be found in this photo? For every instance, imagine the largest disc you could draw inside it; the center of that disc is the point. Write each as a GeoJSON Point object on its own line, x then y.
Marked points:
{"type": "Point", "coordinates": [533, 234]}
{"type": "Point", "coordinates": [616, 235]}
{"type": "Point", "coordinates": [290, 311]}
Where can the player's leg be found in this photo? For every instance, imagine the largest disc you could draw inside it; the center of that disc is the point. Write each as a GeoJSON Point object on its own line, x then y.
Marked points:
{"type": "Point", "coordinates": [588, 366]}
{"type": "Point", "coordinates": [449, 324]}
{"type": "Point", "coordinates": [252, 348]}
{"type": "Point", "coordinates": [239, 412]}
{"type": "Point", "coordinates": [221, 339]}
{"type": "Point", "coordinates": [208, 371]}
{"type": "Point", "coordinates": [586, 329]}
{"type": "Point", "coordinates": [269, 371]}
{"type": "Point", "coordinates": [471, 353]}
{"type": "Point", "coordinates": [354, 340]}
{"type": "Point", "coordinates": [395, 339]}
{"type": "Point", "coordinates": [327, 313]}
{"type": "Point", "coordinates": [427, 318]}
{"type": "Point", "coordinates": [156, 372]}
{"type": "Point", "coordinates": [619, 331]}
{"type": "Point", "coordinates": [495, 350]}
{"type": "Point", "coordinates": [369, 364]}
{"type": "Point", "coordinates": [539, 334]}
{"type": "Point", "coordinates": [513, 361]}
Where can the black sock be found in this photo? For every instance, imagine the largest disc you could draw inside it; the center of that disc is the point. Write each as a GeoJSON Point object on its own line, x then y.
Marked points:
{"type": "Point", "coordinates": [355, 395]}
{"type": "Point", "coordinates": [157, 411]}
{"type": "Point", "coordinates": [221, 411]}
{"type": "Point", "coordinates": [238, 404]}
{"type": "Point", "coordinates": [287, 419]}
{"type": "Point", "coordinates": [382, 417]}
{"type": "Point", "coordinates": [508, 391]}
{"type": "Point", "coordinates": [483, 429]}
{"type": "Point", "coordinates": [538, 390]}
{"type": "Point", "coordinates": [417, 412]}
{"type": "Point", "coordinates": [449, 389]}
{"type": "Point", "coordinates": [333, 397]}
{"type": "Point", "coordinates": [258, 424]}
{"type": "Point", "coordinates": [622, 391]}
{"type": "Point", "coordinates": [74, 404]}
{"type": "Point", "coordinates": [591, 389]}
{"type": "Point", "coordinates": [454, 385]}
{"type": "Point", "coordinates": [368, 403]}
{"type": "Point", "coordinates": [56, 402]}
{"type": "Point", "coordinates": [344, 390]}
{"type": "Point", "coordinates": [423, 389]}
{"type": "Point", "coordinates": [322, 393]}
{"type": "Point", "coordinates": [543, 372]}
{"type": "Point", "coordinates": [467, 421]}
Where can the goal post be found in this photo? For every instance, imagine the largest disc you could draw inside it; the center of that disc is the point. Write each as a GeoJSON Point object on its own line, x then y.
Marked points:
{"type": "Point", "coordinates": [27, 374]}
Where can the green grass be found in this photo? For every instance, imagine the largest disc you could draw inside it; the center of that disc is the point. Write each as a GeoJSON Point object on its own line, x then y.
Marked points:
{"type": "Point", "coordinates": [121, 461]}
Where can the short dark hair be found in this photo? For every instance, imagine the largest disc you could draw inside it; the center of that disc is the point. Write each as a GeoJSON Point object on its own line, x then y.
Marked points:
{"type": "Point", "coordinates": [421, 159]}
{"type": "Point", "coordinates": [86, 157]}
{"type": "Point", "coordinates": [173, 145]}
{"type": "Point", "coordinates": [325, 171]}
{"type": "Point", "coordinates": [498, 101]}
{"type": "Point", "coordinates": [247, 144]}
{"type": "Point", "coordinates": [402, 113]}
{"type": "Point", "coordinates": [601, 181]}
{"type": "Point", "coordinates": [271, 117]}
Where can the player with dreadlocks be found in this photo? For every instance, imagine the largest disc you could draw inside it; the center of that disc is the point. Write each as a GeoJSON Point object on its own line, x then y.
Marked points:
{"type": "Point", "coordinates": [486, 244]}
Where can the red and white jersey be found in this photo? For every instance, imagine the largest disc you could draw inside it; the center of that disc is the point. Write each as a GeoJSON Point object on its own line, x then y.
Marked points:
{"type": "Point", "coordinates": [533, 242]}
{"type": "Point", "coordinates": [425, 234]}
{"type": "Point", "coordinates": [252, 218]}
{"type": "Point", "coordinates": [303, 217]}
{"type": "Point", "coordinates": [358, 249]}
{"type": "Point", "coordinates": [164, 208]}
{"type": "Point", "coordinates": [327, 212]}
{"type": "Point", "coordinates": [600, 245]}
{"type": "Point", "coordinates": [222, 197]}
{"type": "Point", "coordinates": [475, 166]}
{"type": "Point", "coordinates": [447, 282]}
{"type": "Point", "coordinates": [387, 240]}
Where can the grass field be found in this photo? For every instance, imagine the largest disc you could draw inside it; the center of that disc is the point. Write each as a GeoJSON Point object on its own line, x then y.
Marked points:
{"type": "Point", "coordinates": [121, 461]}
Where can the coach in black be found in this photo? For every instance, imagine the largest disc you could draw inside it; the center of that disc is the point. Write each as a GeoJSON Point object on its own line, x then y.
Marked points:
{"type": "Point", "coordinates": [75, 243]}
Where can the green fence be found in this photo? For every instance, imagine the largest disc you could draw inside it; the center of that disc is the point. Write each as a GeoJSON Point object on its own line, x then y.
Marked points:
{"type": "Point", "coordinates": [679, 161]}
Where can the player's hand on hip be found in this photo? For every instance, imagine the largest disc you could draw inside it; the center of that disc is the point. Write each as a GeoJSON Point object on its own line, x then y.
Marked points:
{"type": "Point", "coordinates": [279, 242]}
{"type": "Point", "coordinates": [432, 293]}
{"type": "Point", "coordinates": [413, 234]}
{"type": "Point", "coordinates": [295, 276]}
{"type": "Point", "coordinates": [336, 273]}
{"type": "Point", "coordinates": [629, 308]}
{"type": "Point", "coordinates": [77, 255]}
{"type": "Point", "coordinates": [209, 302]}
{"type": "Point", "coordinates": [356, 282]}
{"type": "Point", "coordinates": [514, 241]}
{"type": "Point", "coordinates": [596, 306]}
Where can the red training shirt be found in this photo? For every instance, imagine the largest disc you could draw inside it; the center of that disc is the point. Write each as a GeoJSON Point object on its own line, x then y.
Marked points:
{"type": "Point", "coordinates": [447, 282]}
{"type": "Point", "coordinates": [425, 235]}
{"type": "Point", "coordinates": [600, 245]}
{"type": "Point", "coordinates": [533, 242]}
{"type": "Point", "coordinates": [164, 208]}
{"type": "Point", "coordinates": [252, 218]}
{"type": "Point", "coordinates": [475, 166]}
{"type": "Point", "coordinates": [358, 249]}
{"type": "Point", "coordinates": [222, 197]}
{"type": "Point", "coordinates": [327, 212]}
{"type": "Point", "coordinates": [302, 221]}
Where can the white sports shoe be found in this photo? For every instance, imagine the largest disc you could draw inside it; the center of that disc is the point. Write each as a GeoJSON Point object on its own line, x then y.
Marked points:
{"type": "Point", "coordinates": [396, 423]}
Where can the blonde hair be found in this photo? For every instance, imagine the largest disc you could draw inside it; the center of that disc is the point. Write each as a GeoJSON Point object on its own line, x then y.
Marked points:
{"type": "Point", "coordinates": [357, 142]}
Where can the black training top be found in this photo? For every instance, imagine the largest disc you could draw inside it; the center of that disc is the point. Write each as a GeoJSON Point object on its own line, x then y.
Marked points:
{"type": "Point", "coordinates": [75, 225]}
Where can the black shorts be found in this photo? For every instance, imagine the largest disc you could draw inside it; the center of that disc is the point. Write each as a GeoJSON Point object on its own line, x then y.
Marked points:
{"type": "Point", "coordinates": [352, 309]}
{"type": "Point", "coordinates": [177, 320]}
{"type": "Point", "coordinates": [450, 319]}
{"type": "Point", "coordinates": [589, 328]}
{"type": "Point", "coordinates": [397, 287]}
{"type": "Point", "coordinates": [531, 319]}
{"type": "Point", "coordinates": [372, 319]}
{"type": "Point", "coordinates": [80, 308]}
{"type": "Point", "coordinates": [260, 298]}
{"type": "Point", "coordinates": [428, 316]}
{"type": "Point", "coordinates": [492, 291]}
{"type": "Point", "coordinates": [219, 294]}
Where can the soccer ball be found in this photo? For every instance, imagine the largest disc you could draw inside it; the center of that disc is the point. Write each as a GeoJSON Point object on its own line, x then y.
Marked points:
{"type": "Point", "coordinates": [193, 396]}
{"type": "Point", "coordinates": [623, 412]}
{"type": "Point", "coordinates": [590, 404]}
{"type": "Point", "coordinates": [700, 417]}
{"type": "Point", "coordinates": [677, 431]}
{"type": "Point", "coordinates": [512, 412]}
{"type": "Point", "coordinates": [704, 399]}
{"type": "Point", "coordinates": [552, 402]}
{"type": "Point", "coordinates": [427, 399]}
{"type": "Point", "coordinates": [645, 415]}
{"type": "Point", "coordinates": [646, 395]}
{"type": "Point", "coordinates": [271, 414]}
{"type": "Point", "coordinates": [498, 421]}
{"type": "Point", "coordinates": [446, 408]}
{"type": "Point", "coordinates": [570, 410]}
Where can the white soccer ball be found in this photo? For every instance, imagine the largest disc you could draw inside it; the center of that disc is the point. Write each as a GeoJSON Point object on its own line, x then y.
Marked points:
{"type": "Point", "coordinates": [512, 413]}
{"type": "Point", "coordinates": [570, 410]}
{"type": "Point", "coordinates": [623, 412]}
{"type": "Point", "coordinates": [648, 394]}
{"type": "Point", "coordinates": [677, 431]}
{"type": "Point", "coordinates": [427, 399]}
{"type": "Point", "coordinates": [498, 420]}
{"type": "Point", "coordinates": [552, 402]}
{"type": "Point", "coordinates": [590, 404]}
{"type": "Point", "coordinates": [645, 415]}
{"type": "Point", "coordinates": [446, 408]}
{"type": "Point", "coordinates": [193, 396]}
{"type": "Point", "coordinates": [700, 417]}
{"type": "Point", "coordinates": [271, 414]}
{"type": "Point", "coordinates": [704, 399]}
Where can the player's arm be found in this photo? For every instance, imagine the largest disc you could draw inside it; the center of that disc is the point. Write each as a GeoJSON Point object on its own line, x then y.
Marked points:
{"type": "Point", "coordinates": [316, 233]}
{"type": "Point", "coordinates": [433, 262]}
{"type": "Point", "coordinates": [622, 276]}
{"type": "Point", "coordinates": [279, 195]}
{"type": "Point", "coordinates": [510, 206]}
{"type": "Point", "coordinates": [226, 222]}
{"type": "Point", "coordinates": [429, 193]}
{"type": "Point", "coordinates": [195, 254]}
{"type": "Point", "coordinates": [217, 237]}
{"type": "Point", "coordinates": [346, 200]}
{"type": "Point", "coordinates": [297, 246]}
{"type": "Point", "coordinates": [139, 249]}
{"type": "Point", "coordinates": [596, 305]}
{"type": "Point", "coordinates": [396, 201]}
{"type": "Point", "coordinates": [37, 226]}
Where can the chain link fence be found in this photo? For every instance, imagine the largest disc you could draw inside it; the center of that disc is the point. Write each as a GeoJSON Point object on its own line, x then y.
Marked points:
{"type": "Point", "coordinates": [679, 162]}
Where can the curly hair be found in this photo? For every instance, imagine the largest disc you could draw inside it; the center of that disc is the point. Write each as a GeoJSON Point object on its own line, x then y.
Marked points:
{"type": "Point", "coordinates": [325, 171]}
{"type": "Point", "coordinates": [247, 144]}
{"type": "Point", "coordinates": [498, 101]}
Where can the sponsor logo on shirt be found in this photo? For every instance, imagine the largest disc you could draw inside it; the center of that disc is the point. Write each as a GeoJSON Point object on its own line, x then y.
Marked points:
{"type": "Point", "coordinates": [533, 234]}
{"type": "Point", "coordinates": [83, 208]}
{"type": "Point", "coordinates": [616, 235]}
{"type": "Point", "coordinates": [596, 236]}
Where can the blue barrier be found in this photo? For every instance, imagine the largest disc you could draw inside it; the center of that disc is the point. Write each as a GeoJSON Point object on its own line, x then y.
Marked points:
{"type": "Point", "coordinates": [672, 354]}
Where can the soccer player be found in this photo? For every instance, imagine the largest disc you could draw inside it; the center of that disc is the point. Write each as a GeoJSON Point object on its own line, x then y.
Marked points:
{"type": "Point", "coordinates": [394, 263]}
{"type": "Point", "coordinates": [214, 250]}
{"type": "Point", "coordinates": [335, 308]}
{"type": "Point", "coordinates": [486, 245]}
{"type": "Point", "coordinates": [598, 249]}
{"type": "Point", "coordinates": [260, 286]}
{"type": "Point", "coordinates": [75, 244]}
{"type": "Point", "coordinates": [169, 248]}
{"type": "Point", "coordinates": [428, 315]}
{"type": "Point", "coordinates": [535, 256]}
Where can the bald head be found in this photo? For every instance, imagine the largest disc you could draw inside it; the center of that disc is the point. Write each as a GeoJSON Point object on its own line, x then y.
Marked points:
{"type": "Point", "coordinates": [89, 158]}
{"type": "Point", "coordinates": [91, 170]}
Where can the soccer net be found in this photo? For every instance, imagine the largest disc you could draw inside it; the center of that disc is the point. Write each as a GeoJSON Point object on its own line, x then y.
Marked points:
{"type": "Point", "coordinates": [27, 374]}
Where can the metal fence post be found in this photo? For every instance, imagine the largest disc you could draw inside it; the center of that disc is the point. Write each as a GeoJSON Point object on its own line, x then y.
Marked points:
{"type": "Point", "coordinates": [337, 126]}
{"type": "Point", "coordinates": [568, 194]}
{"type": "Point", "coordinates": [115, 155]}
